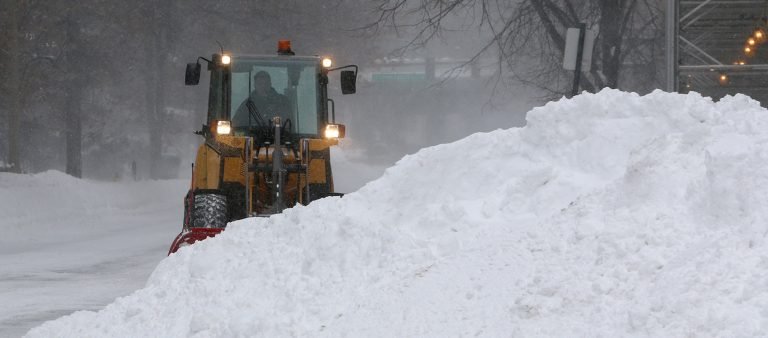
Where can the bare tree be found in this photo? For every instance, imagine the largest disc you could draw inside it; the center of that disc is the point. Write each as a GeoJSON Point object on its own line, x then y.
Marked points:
{"type": "Point", "coordinates": [24, 61]}
{"type": "Point", "coordinates": [93, 85]}
{"type": "Point", "coordinates": [14, 9]}
{"type": "Point", "coordinates": [72, 42]}
{"type": "Point", "coordinates": [158, 46]}
{"type": "Point", "coordinates": [529, 35]}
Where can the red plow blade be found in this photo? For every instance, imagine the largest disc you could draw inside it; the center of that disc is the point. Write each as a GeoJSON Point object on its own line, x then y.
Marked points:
{"type": "Point", "coordinates": [192, 235]}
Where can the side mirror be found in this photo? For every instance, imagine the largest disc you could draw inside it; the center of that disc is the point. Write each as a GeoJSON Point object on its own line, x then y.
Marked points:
{"type": "Point", "coordinates": [348, 82]}
{"type": "Point", "coordinates": [192, 77]}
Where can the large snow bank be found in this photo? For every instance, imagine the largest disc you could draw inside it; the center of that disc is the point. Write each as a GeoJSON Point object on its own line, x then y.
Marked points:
{"type": "Point", "coordinates": [608, 214]}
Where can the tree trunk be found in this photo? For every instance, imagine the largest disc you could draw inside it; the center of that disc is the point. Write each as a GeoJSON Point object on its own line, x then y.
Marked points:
{"type": "Point", "coordinates": [150, 106]}
{"type": "Point", "coordinates": [156, 130]}
{"type": "Point", "coordinates": [610, 48]}
{"type": "Point", "coordinates": [74, 132]}
{"type": "Point", "coordinates": [73, 123]}
{"type": "Point", "coordinates": [155, 50]}
{"type": "Point", "coordinates": [154, 106]}
{"type": "Point", "coordinates": [14, 88]}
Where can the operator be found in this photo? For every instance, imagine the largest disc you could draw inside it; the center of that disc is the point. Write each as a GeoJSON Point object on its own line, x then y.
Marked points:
{"type": "Point", "coordinates": [269, 103]}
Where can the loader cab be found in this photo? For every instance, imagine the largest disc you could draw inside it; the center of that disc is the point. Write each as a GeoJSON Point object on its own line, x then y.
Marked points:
{"type": "Point", "coordinates": [298, 94]}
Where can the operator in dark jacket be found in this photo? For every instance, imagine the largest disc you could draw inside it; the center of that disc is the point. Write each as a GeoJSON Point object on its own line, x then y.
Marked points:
{"type": "Point", "coordinates": [268, 102]}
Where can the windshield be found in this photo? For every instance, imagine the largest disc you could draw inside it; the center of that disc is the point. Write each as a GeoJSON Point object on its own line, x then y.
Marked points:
{"type": "Point", "coordinates": [265, 88]}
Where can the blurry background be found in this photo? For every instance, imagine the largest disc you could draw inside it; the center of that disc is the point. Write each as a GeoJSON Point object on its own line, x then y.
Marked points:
{"type": "Point", "coordinates": [94, 86]}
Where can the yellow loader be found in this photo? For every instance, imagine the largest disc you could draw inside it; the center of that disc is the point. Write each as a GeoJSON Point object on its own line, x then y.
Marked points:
{"type": "Point", "coordinates": [267, 136]}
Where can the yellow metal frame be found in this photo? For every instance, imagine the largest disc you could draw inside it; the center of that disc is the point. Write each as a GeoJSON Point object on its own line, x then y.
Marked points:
{"type": "Point", "coordinates": [223, 159]}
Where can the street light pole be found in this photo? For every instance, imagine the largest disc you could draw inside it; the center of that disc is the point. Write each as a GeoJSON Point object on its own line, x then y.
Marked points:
{"type": "Point", "coordinates": [579, 56]}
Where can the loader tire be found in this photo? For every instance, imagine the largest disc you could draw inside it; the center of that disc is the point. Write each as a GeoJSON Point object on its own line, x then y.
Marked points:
{"type": "Point", "coordinates": [210, 211]}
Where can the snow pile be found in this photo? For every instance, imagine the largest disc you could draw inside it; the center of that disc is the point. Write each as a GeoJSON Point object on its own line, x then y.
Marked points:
{"type": "Point", "coordinates": [609, 214]}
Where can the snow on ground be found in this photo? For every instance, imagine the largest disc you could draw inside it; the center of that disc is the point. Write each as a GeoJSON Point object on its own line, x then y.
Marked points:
{"type": "Point", "coordinates": [70, 244]}
{"type": "Point", "coordinates": [609, 214]}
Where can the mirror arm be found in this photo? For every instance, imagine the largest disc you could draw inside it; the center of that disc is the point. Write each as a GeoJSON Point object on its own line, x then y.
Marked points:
{"type": "Point", "coordinates": [204, 59]}
{"type": "Point", "coordinates": [344, 67]}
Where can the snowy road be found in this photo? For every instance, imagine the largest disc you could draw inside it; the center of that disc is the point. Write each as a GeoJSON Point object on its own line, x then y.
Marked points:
{"type": "Point", "coordinates": [63, 254]}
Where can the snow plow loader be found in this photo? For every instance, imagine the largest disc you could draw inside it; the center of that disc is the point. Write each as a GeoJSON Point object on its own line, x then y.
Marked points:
{"type": "Point", "coordinates": [267, 138]}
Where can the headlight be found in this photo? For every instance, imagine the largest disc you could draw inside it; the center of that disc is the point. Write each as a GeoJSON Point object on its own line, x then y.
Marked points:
{"type": "Point", "coordinates": [223, 127]}
{"type": "Point", "coordinates": [327, 62]}
{"type": "Point", "coordinates": [226, 59]}
{"type": "Point", "coordinates": [332, 131]}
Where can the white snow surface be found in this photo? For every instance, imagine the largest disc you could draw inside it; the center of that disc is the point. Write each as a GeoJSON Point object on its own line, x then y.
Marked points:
{"type": "Point", "coordinates": [609, 214]}
{"type": "Point", "coordinates": [69, 244]}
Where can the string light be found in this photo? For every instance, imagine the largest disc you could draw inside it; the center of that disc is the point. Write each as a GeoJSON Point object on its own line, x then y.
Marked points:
{"type": "Point", "coordinates": [757, 37]}
{"type": "Point", "coordinates": [723, 79]}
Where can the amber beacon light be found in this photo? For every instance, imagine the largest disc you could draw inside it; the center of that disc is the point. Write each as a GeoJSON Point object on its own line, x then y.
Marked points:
{"type": "Point", "coordinates": [284, 47]}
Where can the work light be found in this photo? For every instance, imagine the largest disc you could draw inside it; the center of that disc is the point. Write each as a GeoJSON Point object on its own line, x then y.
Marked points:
{"type": "Point", "coordinates": [223, 127]}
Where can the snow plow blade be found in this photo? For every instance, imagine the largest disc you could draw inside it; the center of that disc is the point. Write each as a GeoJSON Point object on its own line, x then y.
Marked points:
{"type": "Point", "coordinates": [192, 235]}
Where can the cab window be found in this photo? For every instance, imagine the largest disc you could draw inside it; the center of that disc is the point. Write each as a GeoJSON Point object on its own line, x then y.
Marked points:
{"type": "Point", "coordinates": [264, 88]}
